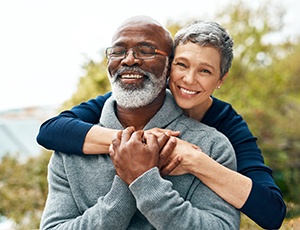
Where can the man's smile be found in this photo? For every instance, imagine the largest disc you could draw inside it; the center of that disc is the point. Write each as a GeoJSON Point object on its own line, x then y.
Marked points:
{"type": "Point", "coordinates": [131, 78]}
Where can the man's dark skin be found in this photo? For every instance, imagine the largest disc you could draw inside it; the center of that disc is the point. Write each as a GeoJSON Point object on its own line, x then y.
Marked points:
{"type": "Point", "coordinates": [132, 152]}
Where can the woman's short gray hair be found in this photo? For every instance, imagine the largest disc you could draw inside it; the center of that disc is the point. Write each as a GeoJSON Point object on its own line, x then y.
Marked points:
{"type": "Point", "coordinates": [208, 33]}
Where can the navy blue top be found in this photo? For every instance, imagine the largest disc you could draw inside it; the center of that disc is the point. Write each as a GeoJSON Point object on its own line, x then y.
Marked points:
{"type": "Point", "coordinates": [66, 133]}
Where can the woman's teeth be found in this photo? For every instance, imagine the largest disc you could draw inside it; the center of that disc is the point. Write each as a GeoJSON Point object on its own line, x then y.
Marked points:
{"type": "Point", "coordinates": [190, 92]}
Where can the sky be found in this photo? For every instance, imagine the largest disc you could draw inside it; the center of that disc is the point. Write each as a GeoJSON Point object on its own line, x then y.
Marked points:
{"type": "Point", "coordinates": [44, 43]}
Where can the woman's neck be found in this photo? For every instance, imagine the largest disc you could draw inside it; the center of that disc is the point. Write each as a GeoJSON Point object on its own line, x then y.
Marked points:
{"type": "Point", "coordinates": [199, 111]}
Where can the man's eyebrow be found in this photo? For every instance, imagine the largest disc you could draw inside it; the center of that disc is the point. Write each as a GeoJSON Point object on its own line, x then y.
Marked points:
{"type": "Point", "coordinates": [142, 43]}
{"type": "Point", "coordinates": [145, 43]}
{"type": "Point", "coordinates": [119, 44]}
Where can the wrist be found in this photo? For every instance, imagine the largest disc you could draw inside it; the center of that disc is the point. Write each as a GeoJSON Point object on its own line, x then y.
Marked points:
{"type": "Point", "coordinates": [196, 161]}
{"type": "Point", "coordinates": [98, 140]}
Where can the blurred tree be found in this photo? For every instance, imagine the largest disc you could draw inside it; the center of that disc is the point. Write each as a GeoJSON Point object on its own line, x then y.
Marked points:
{"type": "Point", "coordinates": [23, 190]}
{"type": "Point", "coordinates": [263, 86]}
{"type": "Point", "coordinates": [94, 82]}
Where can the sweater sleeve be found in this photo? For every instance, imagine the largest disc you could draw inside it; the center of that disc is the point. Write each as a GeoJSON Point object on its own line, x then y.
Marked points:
{"type": "Point", "coordinates": [165, 209]}
{"type": "Point", "coordinates": [61, 211]}
{"type": "Point", "coordinates": [200, 208]}
{"type": "Point", "coordinates": [265, 204]}
{"type": "Point", "coordinates": [66, 132]}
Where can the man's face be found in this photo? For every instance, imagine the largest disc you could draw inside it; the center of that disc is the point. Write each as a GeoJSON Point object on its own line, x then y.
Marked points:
{"type": "Point", "coordinates": [137, 82]}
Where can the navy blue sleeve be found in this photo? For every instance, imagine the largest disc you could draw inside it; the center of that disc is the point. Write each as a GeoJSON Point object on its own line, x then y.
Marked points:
{"type": "Point", "coordinates": [265, 204]}
{"type": "Point", "coordinates": [66, 132]}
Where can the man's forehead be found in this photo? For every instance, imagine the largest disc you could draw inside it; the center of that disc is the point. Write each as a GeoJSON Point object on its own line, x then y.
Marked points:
{"type": "Point", "coordinates": [138, 26]}
{"type": "Point", "coordinates": [147, 32]}
{"type": "Point", "coordinates": [140, 20]}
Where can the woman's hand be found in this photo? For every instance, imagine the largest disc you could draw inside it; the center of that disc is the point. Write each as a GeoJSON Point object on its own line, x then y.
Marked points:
{"type": "Point", "coordinates": [182, 160]}
{"type": "Point", "coordinates": [157, 132]}
{"type": "Point", "coordinates": [167, 160]}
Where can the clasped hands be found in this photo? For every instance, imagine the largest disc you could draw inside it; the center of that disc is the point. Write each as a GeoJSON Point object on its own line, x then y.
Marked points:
{"type": "Point", "coordinates": [135, 152]}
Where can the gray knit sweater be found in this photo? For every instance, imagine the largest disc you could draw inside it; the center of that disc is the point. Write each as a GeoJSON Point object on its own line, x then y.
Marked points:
{"type": "Point", "coordinates": [85, 193]}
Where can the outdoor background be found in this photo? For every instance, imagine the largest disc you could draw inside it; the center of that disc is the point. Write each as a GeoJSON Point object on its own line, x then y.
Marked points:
{"type": "Point", "coordinates": [63, 64]}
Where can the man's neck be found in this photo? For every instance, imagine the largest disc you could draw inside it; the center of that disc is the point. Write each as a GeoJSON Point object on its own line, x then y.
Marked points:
{"type": "Point", "coordinates": [141, 116]}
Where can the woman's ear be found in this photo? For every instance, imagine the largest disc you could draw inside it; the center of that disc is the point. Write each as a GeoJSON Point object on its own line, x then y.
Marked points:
{"type": "Point", "coordinates": [223, 78]}
{"type": "Point", "coordinates": [222, 81]}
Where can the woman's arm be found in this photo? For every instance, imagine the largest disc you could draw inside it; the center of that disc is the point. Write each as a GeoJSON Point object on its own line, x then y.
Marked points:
{"type": "Point", "coordinates": [252, 189]}
{"type": "Point", "coordinates": [258, 198]}
{"type": "Point", "coordinates": [265, 204]}
{"type": "Point", "coordinates": [76, 131]}
{"type": "Point", "coordinates": [228, 184]}
{"type": "Point", "coordinates": [68, 131]}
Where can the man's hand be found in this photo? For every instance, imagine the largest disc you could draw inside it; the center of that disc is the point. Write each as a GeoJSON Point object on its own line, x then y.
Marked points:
{"type": "Point", "coordinates": [134, 153]}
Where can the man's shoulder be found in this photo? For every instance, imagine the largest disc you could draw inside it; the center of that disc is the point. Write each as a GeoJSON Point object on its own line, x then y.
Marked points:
{"type": "Point", "coordinates": [193, 125]}
{"type": "Point", "coordinates": [75, 160]}
{"type": "Point", "coordinates": [211, 141]}
{"type": "Point", "coordinates": [195, 131]}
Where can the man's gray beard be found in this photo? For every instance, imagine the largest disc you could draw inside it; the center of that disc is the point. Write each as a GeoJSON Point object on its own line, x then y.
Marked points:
{"type": "Point", "coordinates": [132, 96]}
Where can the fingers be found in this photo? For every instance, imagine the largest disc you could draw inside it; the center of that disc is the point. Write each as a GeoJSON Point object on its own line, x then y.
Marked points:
{"type": "Point", "coordinates": [152, 142]}
{"type": "Point", "coordinates": [120, 137]}
{"type": "Point", "coordinates": [116, 140]}
{"type": "Point", "coordinates": [168, 148]}
{"type": "Point", "coordinates": [171, 166]}
{"type": "Point", "coordinates": [157, 132]}
{"type": "Point", "coordinates": [127, 133]}
{"type": "Point", "coordinates": [111, 149]}
{"type": "Point", "coordinates": [162, 139]}
{"type": "Point", "coordinates": [165, 155]}
{"type": "Point", "coordinates": [196, 147]}
{"type": "Point", "coordinates": [137, 136]}
{"type": "Point", "coordinates": [174, 133]}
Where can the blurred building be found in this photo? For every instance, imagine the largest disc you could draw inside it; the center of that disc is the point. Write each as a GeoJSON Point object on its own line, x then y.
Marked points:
{"type": "Point", "coordinates": [19, 128]}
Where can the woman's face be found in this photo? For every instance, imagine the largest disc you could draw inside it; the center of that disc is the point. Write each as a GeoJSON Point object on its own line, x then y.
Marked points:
{"type": "Point", "coordinates": [195, 74]}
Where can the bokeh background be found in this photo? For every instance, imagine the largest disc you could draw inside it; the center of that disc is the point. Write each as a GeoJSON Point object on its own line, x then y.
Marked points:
{"type": "Point", "coordinates": [52, 58]}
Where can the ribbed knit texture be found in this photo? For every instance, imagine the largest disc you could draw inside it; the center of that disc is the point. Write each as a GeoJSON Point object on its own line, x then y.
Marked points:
{"type": "Point", "coordinates": [85, 193]}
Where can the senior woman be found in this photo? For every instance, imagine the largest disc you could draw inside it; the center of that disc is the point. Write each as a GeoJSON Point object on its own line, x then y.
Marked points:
{"type": "Point", "coordinates": [202, 59]}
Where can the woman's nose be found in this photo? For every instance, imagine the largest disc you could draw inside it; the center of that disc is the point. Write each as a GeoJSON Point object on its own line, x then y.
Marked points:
{"type": "Point", "coordinates": [189, 77]}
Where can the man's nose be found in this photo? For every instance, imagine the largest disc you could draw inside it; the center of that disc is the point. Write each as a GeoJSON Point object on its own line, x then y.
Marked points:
{"type": "Point", "coordinates": [130, 59]}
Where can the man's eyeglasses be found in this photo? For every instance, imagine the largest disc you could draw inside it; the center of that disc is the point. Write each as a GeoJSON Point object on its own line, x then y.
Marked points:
{"type": "Point", "coordinates": [139, 52]}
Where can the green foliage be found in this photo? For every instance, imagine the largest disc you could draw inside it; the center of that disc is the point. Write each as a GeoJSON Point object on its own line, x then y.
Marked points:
{"type": "Point", "coordinates": [263, 86]}
{"type": "Point", "coordinates": [95, 82]}
{"type": "Point", "coordinates": [23, 190]}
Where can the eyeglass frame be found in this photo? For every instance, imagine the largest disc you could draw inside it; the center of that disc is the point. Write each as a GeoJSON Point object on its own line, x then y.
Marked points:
{"type": "Point", "coordinates": [156, 51]}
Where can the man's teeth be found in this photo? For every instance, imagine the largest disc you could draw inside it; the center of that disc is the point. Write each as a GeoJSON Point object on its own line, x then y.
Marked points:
{"type": "Point", "coordinates": [132, 76]}
{"type": "Point", "coordinates": [188, 91]}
